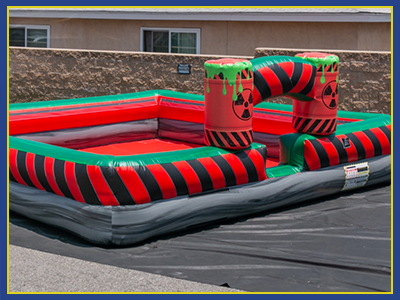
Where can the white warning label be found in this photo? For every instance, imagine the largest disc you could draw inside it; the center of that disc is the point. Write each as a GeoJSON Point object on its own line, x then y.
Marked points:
{"type": "Point", "coordinates": [356, 175]}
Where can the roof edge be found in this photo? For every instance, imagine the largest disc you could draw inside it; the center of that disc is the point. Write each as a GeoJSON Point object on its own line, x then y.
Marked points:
{"type": "Point", "coordinates": [363, 17]}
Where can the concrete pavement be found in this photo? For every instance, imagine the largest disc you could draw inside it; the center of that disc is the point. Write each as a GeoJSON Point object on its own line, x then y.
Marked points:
{"type": "Point", "coordinates": [37, 271]}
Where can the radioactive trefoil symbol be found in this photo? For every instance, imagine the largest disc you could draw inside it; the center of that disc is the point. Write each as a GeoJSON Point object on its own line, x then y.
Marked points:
{"type": "Point", "coordinates": [329, 95]}
{"type": "Point", "coordinates": [241, 107]}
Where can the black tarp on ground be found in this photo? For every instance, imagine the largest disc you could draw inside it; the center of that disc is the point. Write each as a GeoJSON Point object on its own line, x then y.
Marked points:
{"type": "Point", "coordinates": [335, 244]}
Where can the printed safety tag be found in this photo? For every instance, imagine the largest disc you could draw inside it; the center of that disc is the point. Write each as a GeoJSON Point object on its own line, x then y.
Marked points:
{"type": "Point", "coordinates": [356, 175]}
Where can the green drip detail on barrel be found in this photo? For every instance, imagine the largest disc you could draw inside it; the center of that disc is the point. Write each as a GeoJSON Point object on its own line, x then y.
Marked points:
{"type": "Point", "coordinates": [230, 73]}
{"type": "Point", "coordinates": [324, 62]}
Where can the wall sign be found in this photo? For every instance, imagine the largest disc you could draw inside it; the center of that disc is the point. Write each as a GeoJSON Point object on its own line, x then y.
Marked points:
{"type": "Point", "coordinates": [184, 68]}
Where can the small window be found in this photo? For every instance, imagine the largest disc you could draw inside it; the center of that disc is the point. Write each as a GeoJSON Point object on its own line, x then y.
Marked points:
{"type": "Point", "coordinates": [170, 40]}
{"type": "Point", "coordinates": [29, 36]}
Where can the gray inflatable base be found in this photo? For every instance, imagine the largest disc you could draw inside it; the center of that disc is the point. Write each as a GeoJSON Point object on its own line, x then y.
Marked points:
{"type": "Point", "coordinates": [123, 225]}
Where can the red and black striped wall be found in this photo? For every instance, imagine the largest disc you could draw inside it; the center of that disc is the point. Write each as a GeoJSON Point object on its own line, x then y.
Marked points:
{"type": "Point", "coordinates": [127, 185]}
{"type": "Point", "coordinates": [333, 150]}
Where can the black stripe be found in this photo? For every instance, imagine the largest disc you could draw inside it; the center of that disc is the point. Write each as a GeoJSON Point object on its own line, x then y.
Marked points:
{"type": "Point", "coordinates": [332, 124]}
{"type": "Point", "coordinates": [310, 85]}
{"type": "Point", "coordinates": [228, 139]}
{"type": "Point", "coordinates": [375, 142]}
{"type": "Point", "coordinates": [11, 176]}
{"type": "Point", "coordinates": [218, 139]}
{"type": "Point", "coordinates": [59, 174]}
{"type": "Point", "coordinates": [306, 166]}
{"type": "Point", "coordinates": [298, 120]}
{"type": "Point", "coordinates": [41, 174]}
{"type": "Point", "coordinates": [264, 153]}
{"type": "Point", "coordinates": [117, 186]}
{"type": "Point", "coordinates": [246, 136]}
{"type": "Point", "coordinates": [248, 164]}
{"type": "Point", "coordinates": [343, 157]}
{"type": "Point", "coordinates": [321, 152]}
{"type": "Point", "coordinates": [321, 129]}
{"type": "Point", "coordinates": [202, 173]}
{"type": "Point", "coordinates": [210, 140]}
{"type": "Point", "coordinates": [387, 132]}
{"type": "Point", "coordinates": [239, 140]}
{"type": "Point", "coordinates": [21, 165]}
{"type": "Point", "coordinates": [359, 146]}
{"type": "Point", "coordinates": [315, 124]}
{"type": "Point", "coordinates": [283, 77]}
{"type": "Point", "coordinates": [85, 186]}
{"type": "Point", "coordinates": [230, 178]}
{"type": "Point", "coordinates": [80, 107]}
{"type": "Point", "coordinates": [150, 183]}
{"type": "Point", "coordinates": [177, 178]}
{"type": "Point", "coordinates": [261, 85]}
{"type": "Point", "coordinates": [304, 125]}
{"type": "Point", "coordinates": [297, 71]}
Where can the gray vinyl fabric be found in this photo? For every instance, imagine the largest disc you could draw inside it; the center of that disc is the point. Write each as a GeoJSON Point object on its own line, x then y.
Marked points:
{"type": "Point", "coordinates": [125, 225]}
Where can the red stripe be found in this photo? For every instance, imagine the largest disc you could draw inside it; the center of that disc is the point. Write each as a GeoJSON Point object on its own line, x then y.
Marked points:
{"type": "Point", "coordinates": [191, 178]}
{"type": "Point", "coordinates": [134, 184]}
{"type": "Point", "coordinates": [180, 113]}
{"type": "Point", "coordinates": [330, 150]}
{"type": "Point", "coordinates": [269, 117]}
{"type": "Point", "coordinates": [30, 167]}
{"type": "Point", "coordinates": [320, 125]}
{"type": "Point", "coordinates": [223, 140]}
{"type": "Point", "coordinates": [49, 171]}
{"type": "Point", "coordinates": [100, 185]}
{"type": "Point", "coordinates": [311, 156]}
{"type": "Point", "coordinates": [272, 111]}
{"type": "Point", "coordinates": [237, 167]}
{"type": "Point", "coordinates": [272, 80]}
{"type": "Point", "coordinates": [215, 172]}
{"type": "Point", "coordinates": [258, 162]}
{"type": "Point", "coordinates": [69, 171]}
{"type": "Point", "coordinates": [214, 140]}
{"type": "Point", "coordinates": [13, 166]}
{"type": "Point", "coordinates": [312, 121]}
{"type": "Point", "coordinates": [299, 124]}
{"type": "Point", "coordinates": [188, 101]}
{"type": "Point", "coordinates": [288, 67]}
{"type": "Point", "coordinates": [368, 146]}
{"type": "Point", "coordinates": [382, 139]}
{"type": "Point", "coordinates": [164, 181]}
{"type": "Point", "coordinates": [256, 97]}
{"type": "Point", "coordinates": [235, 142]}
{"type": "Point", "coordinates": [241, 135]}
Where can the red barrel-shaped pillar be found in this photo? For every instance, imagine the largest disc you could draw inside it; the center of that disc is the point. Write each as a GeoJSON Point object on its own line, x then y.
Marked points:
{"type": "Point", "coordinates": [319, 117]}
{"type": "Point", "coordinates": [228, 107]}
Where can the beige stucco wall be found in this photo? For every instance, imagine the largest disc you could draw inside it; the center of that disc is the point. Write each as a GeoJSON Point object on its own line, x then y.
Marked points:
{"type": "Point", "coordinates": [51, 74]}
{"type": "Point", "coordinates": [220, 38]}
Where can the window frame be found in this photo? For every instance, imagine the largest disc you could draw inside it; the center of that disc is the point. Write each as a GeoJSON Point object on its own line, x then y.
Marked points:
{"type": "Point", "coordinates": [26, 27]}
{"type": "Point", "coordinates": [171, 30]}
